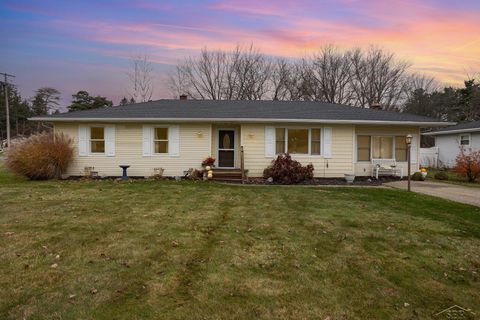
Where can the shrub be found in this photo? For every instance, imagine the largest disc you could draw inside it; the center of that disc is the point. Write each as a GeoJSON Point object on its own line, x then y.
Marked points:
{"type": "Point", "coordinates": [41, 156]}
{"type": "Point", "coordinates": [284, 170]}
{"type": "Point", "coordinates": [468, 164]}
{"type": "Point", "coordinates": [441, 175]}
{"type": "Point", "coordinates": [194, 174]}
{"type": "Point", "coordinates": [417, 176]}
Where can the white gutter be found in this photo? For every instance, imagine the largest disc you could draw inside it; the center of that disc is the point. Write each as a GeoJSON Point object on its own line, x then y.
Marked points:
{"type": "Point", "coordinates": [436, 133]}
{"type": "Point", "coordinates": [415, 123]}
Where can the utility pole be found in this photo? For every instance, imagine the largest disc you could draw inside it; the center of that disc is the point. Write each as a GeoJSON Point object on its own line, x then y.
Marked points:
{"type": "Point", "coordinates": [7, 108]}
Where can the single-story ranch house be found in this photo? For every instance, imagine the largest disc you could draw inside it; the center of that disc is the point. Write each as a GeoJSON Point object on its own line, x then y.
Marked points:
{"type": "Point", "coordinates": [178, 134]}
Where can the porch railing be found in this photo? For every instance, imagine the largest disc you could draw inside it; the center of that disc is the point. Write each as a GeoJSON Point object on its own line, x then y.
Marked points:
{"type": "Point", "coordinates": [242, 164]}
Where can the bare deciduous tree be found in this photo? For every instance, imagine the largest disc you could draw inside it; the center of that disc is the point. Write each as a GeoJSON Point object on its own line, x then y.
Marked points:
{"type": "Point", "coordinates": [242, 74]}
{"type": "Point", "coordinates": [359, 77]}
{"type": "Point", "coordinates": [332, 73]}
{"type": "Point", "coordinates": [421, 81]}
{"type": "Point", "coordinates": [141, 78]}
{"type": "Point", "coordinates": [281, 77]}
{"type": "Point", "coordinates": [378, 78]}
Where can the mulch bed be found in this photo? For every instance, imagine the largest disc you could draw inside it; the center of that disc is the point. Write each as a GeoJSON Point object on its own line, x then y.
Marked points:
{"type": "Point", "coordinates": [359, 181]}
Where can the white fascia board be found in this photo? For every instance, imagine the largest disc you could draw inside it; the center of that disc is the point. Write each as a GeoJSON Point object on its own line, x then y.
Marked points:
{"type": "Point", "coordinates": [244, 120]}
{"type": "Point", "coordinates": [437, 133]}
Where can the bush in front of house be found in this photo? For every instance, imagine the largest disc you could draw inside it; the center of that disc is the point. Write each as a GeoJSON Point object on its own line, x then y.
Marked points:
{"type": "Point", "coordinates": [417, 176]}
{"type": "Point", "coordinates": [468, 164]}
{"type": "Point", "coordinates": [441, 175]}
{"type": "Point", "coordinates": [285, 170]}
{"type": "Point", "coordinates": [41, 156]}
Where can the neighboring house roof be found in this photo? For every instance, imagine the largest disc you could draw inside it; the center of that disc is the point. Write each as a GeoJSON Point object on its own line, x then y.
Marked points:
{"type": "Point", "coordinates": [459, 128]}
{"type": "Point", "coordinates": [242, 111]}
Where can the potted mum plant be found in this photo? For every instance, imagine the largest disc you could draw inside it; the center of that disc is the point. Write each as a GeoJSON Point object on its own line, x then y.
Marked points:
{"type": "Point", "coordinates": [208, 162]}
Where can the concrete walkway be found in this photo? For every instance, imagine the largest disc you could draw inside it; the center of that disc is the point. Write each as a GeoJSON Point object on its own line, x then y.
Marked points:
{"type": "Point", "coordinates": [468, 195]}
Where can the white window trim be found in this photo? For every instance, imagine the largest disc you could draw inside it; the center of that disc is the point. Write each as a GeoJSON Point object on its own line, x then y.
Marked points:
{"type": "Point", "coordinates": [89, 139]}
{"type": "Point", "coordinates": [460, 139]}
{"type": "Point", "coordinates": [285, 150]}
{"type": "Point", "coordinates": [152, 144]}
{"type": "Point", "coordinates": [371, 148]}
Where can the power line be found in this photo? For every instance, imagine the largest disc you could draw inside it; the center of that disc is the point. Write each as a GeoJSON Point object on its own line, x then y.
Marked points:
{"type": "Point", "coordinates": [7, 109]}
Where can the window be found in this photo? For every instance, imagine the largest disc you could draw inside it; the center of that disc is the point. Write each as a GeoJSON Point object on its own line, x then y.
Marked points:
{"type": "Point", "coordinates": [160, 140]}
{"type": "Point", "coordinates": [363, 148]}
{"type": "Point", "coordinates": [279, 140]}
{"type": "Point", "coordinates": [315, 142]}
{"type": "Point", "coordinates": [298, 141]}
{"type": "Point", "coordinates": [400, 148]}
{"type": "Point", "coordinates": [97, 140]}
{"type": "Point", "coordinates": [464, 139]}
{"type": "Point", "coordinates": [382, 147]}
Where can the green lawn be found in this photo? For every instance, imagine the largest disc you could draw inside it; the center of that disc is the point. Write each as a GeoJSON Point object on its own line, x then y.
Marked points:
{"type": "Point", "coordinates": [168, 250]}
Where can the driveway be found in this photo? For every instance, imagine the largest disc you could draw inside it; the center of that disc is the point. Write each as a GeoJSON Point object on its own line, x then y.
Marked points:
{"type": "Point", "coordinates": [443, 190]}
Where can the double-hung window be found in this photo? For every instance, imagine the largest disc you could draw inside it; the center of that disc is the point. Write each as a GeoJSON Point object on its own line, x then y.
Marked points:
{"type": "Point", "coordinates": [400, 148]}
{"type": "Point", "coordinates": [315, 141]}
{"type": "Point", "coordinates": [464, 139]}
{"type": "Point", "coordinates": [363, 148]}
{"type": "Point", "coordinates": [97, 140]}
{"type": "Point", "coordinates": [280, 142]}
{"type": "Point", "coordinates": [298, 141]}
{"type": "Point", "coordinates": [381, 147]}
{"type": "Point", "coordinates": [160, 140]}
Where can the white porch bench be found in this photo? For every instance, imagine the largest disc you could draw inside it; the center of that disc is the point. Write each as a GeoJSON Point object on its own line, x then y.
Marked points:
{"type": "Point", "coordinates": [386, 167]}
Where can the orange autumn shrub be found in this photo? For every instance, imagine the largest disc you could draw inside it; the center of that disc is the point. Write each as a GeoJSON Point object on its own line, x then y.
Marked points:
{"type": "Point", "coordinates": [468, 164]}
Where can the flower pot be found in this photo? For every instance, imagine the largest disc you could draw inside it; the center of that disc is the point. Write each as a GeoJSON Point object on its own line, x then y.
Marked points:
{"type": "Point", "coordinates": [349, 177]}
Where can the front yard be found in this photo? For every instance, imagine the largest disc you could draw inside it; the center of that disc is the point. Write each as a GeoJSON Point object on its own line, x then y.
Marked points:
{"type": "Point", "coordinates": [453, 178]}
{"type": "Point", "coordinates": [167, 250]}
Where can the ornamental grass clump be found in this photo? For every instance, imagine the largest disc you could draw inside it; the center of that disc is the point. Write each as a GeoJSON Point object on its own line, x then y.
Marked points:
{"type": "Point", "coordinates": [40, 157]}
{"type": "Point", "coordinates": [285, 170]}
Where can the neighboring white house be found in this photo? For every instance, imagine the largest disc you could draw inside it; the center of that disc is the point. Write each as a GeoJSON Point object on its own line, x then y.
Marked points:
{"type": "Point", "coordinates": [448, 142]}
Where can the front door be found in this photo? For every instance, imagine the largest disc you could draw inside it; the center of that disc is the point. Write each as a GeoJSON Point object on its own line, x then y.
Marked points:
{"type": "Point", "coordinates": [226, 148]}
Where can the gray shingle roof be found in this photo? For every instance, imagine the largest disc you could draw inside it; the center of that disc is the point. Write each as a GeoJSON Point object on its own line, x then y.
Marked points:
{"type": "Point", "coordinates": [240, 111]}
{"type": "Point", "coordinates": [466, 126]}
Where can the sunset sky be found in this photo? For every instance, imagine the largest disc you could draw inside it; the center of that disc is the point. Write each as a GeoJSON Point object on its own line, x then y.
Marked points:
{"type": "Point", "coordinates": [74, 45]}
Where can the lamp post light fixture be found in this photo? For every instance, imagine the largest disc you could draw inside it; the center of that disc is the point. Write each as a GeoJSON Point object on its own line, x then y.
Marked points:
{"type": "Point", "coordinates": [408, 140]}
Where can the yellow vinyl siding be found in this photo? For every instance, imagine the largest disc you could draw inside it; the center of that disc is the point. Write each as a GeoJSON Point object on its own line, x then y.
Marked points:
{"type": "Point", "coordinates": [198, 141]}
{"type": "Point", "coordinates": [193, 149]}
{"type": "Point", "coordinates": [364, 168]}
{"type": "Point", "coordinates": [341, 161]}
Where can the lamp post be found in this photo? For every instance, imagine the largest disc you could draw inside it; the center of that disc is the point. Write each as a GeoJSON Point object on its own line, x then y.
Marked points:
{"type": "Point", "coordinates": [408, 140]}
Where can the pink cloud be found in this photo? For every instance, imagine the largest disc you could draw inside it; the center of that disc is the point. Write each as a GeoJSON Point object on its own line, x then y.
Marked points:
{"type": "Point", "coordinates": [437, 41]}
